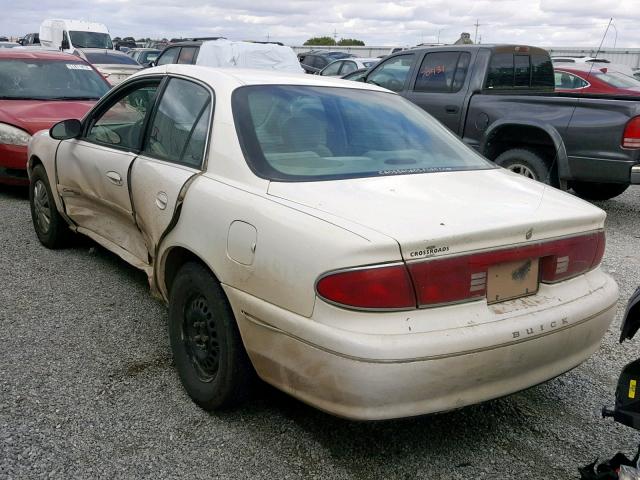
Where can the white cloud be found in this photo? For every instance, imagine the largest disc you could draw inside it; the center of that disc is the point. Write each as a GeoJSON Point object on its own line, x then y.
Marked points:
{"type": "Point", "coordinates": [401, 22]}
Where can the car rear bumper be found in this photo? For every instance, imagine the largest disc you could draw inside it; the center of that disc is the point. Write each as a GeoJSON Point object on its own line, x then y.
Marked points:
{"type": "Point", "coordinates": [13, 165]}
{"type": "Point", "coordinates": [372, 377]}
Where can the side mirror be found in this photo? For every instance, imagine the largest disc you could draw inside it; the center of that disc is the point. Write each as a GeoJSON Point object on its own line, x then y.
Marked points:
{"type": "Point", "coordinates": [65, 44]}
{"type": "Point", "coordinates": [631, 319]}
{"type": "Point", "coordinates": [152, 64]}
{"type": "Point", "coordinates": [66, 129]}
{"type": "Point", "coordinates": [627, 409]}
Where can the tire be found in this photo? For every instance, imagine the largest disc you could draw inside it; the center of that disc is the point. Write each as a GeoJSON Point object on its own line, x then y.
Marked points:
{"type": "Point", "coordinates": [52, 230]}
{"type": "Point", "coordinates": [598, 191]}
{"type": "Point", "coordinates": [208, 351]}
{"type": "Point", "coordinates": [526, 163]}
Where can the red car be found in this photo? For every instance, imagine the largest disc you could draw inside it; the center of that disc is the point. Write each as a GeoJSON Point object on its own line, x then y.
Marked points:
{"type": "Point", "coordinates": [37, 90]}
{"type": "Point", "coordinates": [595, 79]}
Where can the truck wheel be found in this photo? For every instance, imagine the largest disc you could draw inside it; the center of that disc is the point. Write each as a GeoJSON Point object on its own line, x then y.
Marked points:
{"type": "Point", "coordinates": [207, 348]}
{"type": "Point", "coordinates": [526, 163]}
{"type": "Point", "coordinates": [598, 191]}
{"type": "Point", "coordinates": [52, 230]}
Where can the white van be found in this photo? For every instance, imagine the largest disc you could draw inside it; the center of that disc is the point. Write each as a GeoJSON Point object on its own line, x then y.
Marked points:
{"type": "Point", "coordinates": [67, 35]}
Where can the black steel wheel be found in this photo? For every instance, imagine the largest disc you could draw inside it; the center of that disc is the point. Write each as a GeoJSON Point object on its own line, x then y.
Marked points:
{"type": "Point", "coordinates": [52, 230]}
{"type": "Point", "coordinates": [207, 348]}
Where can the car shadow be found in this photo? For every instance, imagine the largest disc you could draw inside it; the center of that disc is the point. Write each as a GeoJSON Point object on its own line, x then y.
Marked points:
{"type": "Point", "coordinates": [15, 192]}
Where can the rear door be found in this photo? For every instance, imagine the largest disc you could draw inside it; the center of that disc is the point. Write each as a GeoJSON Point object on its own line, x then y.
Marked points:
{"type": "Point", "coordinates": [173, 154]}
{"type": "Point", "coordinates": [93, 170]}
{"type": "Point", "coordinates": [439, 86]}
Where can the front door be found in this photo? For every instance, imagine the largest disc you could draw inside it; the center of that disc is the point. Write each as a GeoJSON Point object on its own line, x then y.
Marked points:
{"type": "Point", "coordinates": [173, 153]}
{"type": "Point", "coordinates": [94, 170]}
{"type": "Point", "coordinates": [438, 86]}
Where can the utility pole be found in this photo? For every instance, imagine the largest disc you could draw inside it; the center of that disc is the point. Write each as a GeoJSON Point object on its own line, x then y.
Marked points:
{"type": "Point", "coordinates": [335, 35]}
{"type": "Point", "coordinates": [475, 37]}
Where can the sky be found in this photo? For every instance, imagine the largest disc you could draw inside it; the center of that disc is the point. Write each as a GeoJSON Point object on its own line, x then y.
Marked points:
{"type": "Point", "coordinates": [377, 23]}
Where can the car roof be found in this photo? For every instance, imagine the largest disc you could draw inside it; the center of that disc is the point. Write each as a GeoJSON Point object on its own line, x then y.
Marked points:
{"type": "Point", "coordinates": [53, 55]}
{"type": "Point", "coordinates": [237, 77]}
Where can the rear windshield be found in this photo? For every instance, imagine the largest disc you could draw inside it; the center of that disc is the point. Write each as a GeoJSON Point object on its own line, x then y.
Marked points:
{"type": "Point", "coordinates": [302, 133]}
{"type": "Point", "coordinates": [618, 80]}
{"type": "Point", "coordinates": [47, 80]}
{"type": "Point", "coordinates": [508, 71]}
{"type": "Point", "coordinates": [102, 58]}
{"type": "Point", "coordinates": [90, 40]}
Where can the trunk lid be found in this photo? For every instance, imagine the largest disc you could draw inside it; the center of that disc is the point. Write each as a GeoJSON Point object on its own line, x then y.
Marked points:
{"type": "Point", "coordinates": [436, 214]}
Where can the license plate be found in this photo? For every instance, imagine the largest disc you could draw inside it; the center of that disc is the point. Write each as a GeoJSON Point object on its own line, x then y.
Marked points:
{"type": "Point", "coordinates": [512, 280]}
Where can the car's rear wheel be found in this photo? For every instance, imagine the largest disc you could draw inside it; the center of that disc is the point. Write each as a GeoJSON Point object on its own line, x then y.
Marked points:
{"type": "Point", "coordinates": [526, 163]}
{"type": "Point", "coordinates": [207, 348]}
{"type": "Point", "coordinates": [51, 229]}
{"type": "Point", "coordinates": [598, 191]}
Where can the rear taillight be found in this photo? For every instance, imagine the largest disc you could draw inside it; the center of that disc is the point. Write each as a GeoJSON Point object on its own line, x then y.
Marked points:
{"type": "Point", "coordinates": [571, 257]}
{"type": "Point", "coordinates": [379, 287]}
{"type": "Point", "coordinates": [631, 135]}
{"type": "Point", "coordinates": [456, 279]}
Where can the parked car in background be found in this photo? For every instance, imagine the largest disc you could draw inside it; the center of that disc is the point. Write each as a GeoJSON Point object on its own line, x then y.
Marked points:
{"type": "Point", "coordinates": [594, 79]}
{"type": "Point", "coordinates": [577, 59]}
{"type": "Point", "coordinates": [30, 39]}
{"type": "Point", "coordinates": [344, 66]}
{"type": "Point", "coordinates": [69, 35]}
{"type": "Point", "coordinates": [357, 75]}
{"type": "Point", "coordinates": [126, 44]}
{"type": "Point", "coordinates": [9, 44]}
{"type": "Point", "coordinates": [580, 61]}
{"type": "Point", "coordinates": [113, 65]}
{"type": "Point", "coordinates": [500, 99]}
{"type": "Point", "coordinates": [144, 56]}
{"type": "Point", "coordinates": [315, 60]}
{"type": "Point", "coordinates": [38, 89]}
{"type": "Point", "coordinates": [184, 52]}
{"type": "Point", "coordinates": [256, 55]}
{"type": "Point", "coordinates": [4, 39]}
{"type": "Point", "coordinates": [395, 313]}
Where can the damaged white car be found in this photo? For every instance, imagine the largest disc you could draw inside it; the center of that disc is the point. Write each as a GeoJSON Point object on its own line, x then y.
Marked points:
{"type": "Point", "coordinates": [330, 236]}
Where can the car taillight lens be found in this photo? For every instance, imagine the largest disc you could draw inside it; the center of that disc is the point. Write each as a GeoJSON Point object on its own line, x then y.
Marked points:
{"type": "Point", "coordinates": [379, 287]}
{"type": "Point", "coordinates": [456, 279]}
{"type": "Point", "coordinates": [464, 278]}
{"type": "Point", "coordinates": [631, 135]}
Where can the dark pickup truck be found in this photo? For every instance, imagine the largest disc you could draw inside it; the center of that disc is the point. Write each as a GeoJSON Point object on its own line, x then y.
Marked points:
{"type": "Point", "coordinates": [501, 101]}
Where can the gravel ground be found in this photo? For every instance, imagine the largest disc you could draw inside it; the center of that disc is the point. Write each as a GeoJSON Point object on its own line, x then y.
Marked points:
{"type": "Point", "coordinates": [87, 389]}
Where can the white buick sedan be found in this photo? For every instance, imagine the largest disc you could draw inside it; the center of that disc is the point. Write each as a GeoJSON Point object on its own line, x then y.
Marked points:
{"type": "Point", "coordinates": [331, 237]}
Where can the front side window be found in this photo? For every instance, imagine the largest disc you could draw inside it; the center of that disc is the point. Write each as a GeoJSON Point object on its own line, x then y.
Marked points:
{"type": "Point", "coordinates": [178, 130]}
{"type": "Point", "coordinates": [442, 72]}
{"type": "Point", "coordinates": [332, 69]}
{"type": "Point", "coordinates": [90, 40]}
{"type": "Point", "coordinates": [28, 79]}
{"type": "Point", "coordinates": [393, 73]}
{"type": "Point", "coordinates": [122, 123]}
{"type": "Point", "coordinates": [303, 133]}
{"type": "Point", "coordinates": [169, 56]}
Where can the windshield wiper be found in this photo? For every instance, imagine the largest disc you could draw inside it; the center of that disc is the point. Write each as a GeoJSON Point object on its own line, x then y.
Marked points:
{"type": "Point", "coordinates": [70, 98]}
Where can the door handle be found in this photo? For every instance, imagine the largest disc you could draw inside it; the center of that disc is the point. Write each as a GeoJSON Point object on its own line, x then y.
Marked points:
{"type": "Point", "coordinates": [451, 109]}
{"type": "Point", "coordinates": [161, 200]}
{"type": "Point", "coordinates": [115, 178]}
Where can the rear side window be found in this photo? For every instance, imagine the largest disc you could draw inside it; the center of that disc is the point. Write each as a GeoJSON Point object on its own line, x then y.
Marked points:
{"type": "Point", "coordinates": [332, 68]}
{"type": "Point", "coordinates": [169, 56]}
{"type": "Point", "coordinates": [507, 70]}
{"type": "Point", "coordinates": [442, 72]}
{"type": "Point", "coordinates": [393, 73]}
{"type": "Point", "coordinates": [178, 131]}
{"type": "Point", "coordinates": [187, 55]}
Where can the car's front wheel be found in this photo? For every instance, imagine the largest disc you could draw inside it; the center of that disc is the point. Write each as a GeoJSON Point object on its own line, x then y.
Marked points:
{"type": "Point", "coordinates": [51, 229]}
{"type": "Point", "coordinates": [598, 191]}
{"type": "Point", "coordinates": [207, 348]}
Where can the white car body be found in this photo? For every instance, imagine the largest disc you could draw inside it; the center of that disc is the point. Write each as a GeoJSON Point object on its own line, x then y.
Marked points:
{"type": "Point", "coordinates": [270, 242]}
{"type": "Point", "coordinates": [54, 31]}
